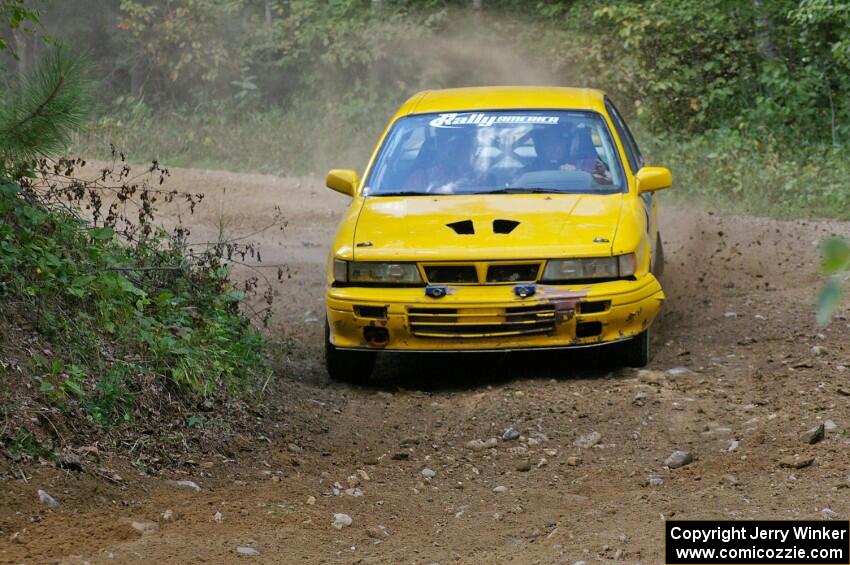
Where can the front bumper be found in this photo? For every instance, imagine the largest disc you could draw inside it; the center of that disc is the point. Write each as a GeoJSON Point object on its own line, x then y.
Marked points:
{"type": "Point", "coordinates": [491, 317]}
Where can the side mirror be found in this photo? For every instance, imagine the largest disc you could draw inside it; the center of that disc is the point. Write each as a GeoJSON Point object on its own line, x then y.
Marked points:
{"type": "Point", "coordinates": [343, 180]}
{"type": "Point", "coordinates": [650, 179]}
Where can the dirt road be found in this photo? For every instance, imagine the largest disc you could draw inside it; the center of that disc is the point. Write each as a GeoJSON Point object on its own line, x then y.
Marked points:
{"type": "Point", "coordinates": [740, 372]}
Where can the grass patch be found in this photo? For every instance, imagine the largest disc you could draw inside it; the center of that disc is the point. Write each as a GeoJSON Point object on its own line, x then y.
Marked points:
{"type": "Point", "coordinates": [309, 135]}
{"type": "Point", "coordinates": [734, 171]}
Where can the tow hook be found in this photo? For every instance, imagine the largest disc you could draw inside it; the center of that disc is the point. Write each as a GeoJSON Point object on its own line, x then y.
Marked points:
{"type": "Point", "coordinates": [525, 290]}
{"type": "Point", "coordinates": [436, 291]}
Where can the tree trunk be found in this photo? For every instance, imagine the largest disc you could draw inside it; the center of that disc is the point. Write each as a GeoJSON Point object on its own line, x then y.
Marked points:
{"type": "Point", "coordinates": [136, 80]}
{"type": "Point", "coordinates": [764, 32]}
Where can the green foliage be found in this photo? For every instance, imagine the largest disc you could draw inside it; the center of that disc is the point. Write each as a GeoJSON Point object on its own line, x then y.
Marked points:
{"type": "Point", "coordinates": [737, 170]}
{"type": "Point", "coordinates": [186, 40]}
{"type": "Point", "coordinates": [16, 12]}
{"type": "Point", "coordinates": [13, 14]}
{"type": "Point", "coordinates": [697, 66]}
{"type": "Point", "coordinates": [826, 25]}
{"type": "Point", "coordinates": [120, 315]}
{"type": "Point", "coordinates": [187, 50]}
{"type": "Point", "coordinates": [126, 308]}
{"type": "Point", "coordinates": [683, 61]}
{"type": "Point", "coordinates": [38, 114]}
{"type": "Point", "coordinates": [778, 66]}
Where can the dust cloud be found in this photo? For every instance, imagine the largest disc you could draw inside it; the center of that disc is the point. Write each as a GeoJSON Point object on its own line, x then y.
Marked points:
{"type": "Point", "coordinates": [457, 58]}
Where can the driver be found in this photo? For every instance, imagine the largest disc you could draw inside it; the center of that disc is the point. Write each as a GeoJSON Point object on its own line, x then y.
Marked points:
{"type": "Point", "coordinates": [557, 151]}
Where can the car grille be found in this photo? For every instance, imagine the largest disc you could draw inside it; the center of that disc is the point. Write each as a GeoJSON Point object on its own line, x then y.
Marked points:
{"type": "Point", "coordinates": [481, 322]}
{"type": "Point", "coordinates": [451, 274]}
{"type": "Point", "coordinates": [491, 273]}
{"type": "Point", "coordinates": [512, 273]}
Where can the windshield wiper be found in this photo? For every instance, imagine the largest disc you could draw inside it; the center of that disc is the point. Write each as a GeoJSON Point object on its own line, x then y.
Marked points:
{"type": "Point", "coordinates": [524, 190]}
{"type": "Point", "coordinates": [513, 190]}
{"type": "Point", "coordinates": [400, 193]}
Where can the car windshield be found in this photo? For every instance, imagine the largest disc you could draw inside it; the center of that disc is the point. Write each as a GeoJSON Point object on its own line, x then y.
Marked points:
{"type": "Point", "coordinates": [492, 152]}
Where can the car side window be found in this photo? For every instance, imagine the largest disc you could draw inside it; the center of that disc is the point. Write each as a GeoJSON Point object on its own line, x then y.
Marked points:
{"type": "Point", "coordinates": [632, 152]}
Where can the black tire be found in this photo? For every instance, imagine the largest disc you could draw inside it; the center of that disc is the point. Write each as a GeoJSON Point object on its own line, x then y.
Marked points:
{"type": "Point", "coordinates": [658, 267]}
{"type": "Point", "coordinates": [346, 366]}
{"type": "Point", "coordinates": [636, 350]}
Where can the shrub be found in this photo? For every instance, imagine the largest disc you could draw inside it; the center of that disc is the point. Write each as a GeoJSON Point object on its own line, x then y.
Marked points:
{"type": "Point", "coordinates": [124, 305]}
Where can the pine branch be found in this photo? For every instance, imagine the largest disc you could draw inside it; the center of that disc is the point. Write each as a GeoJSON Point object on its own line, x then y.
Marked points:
{"type": "Point", "coordinates": [39, 113]}
{"type": "Point", "coordinates": [41, 106]}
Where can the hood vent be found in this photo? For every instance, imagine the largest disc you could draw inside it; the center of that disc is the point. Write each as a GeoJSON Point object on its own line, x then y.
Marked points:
{"type": "Point", "coordinates": [463, 227]}
{"type": "Point", "coordinates": [504, 226]}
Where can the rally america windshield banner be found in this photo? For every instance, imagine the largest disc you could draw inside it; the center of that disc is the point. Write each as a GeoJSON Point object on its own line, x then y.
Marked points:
{"type": "Point", "coordinates": [482, 119]}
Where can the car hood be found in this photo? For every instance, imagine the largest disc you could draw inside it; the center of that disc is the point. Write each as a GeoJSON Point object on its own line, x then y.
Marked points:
{"type": "Point", "coordinates": [435, 228]}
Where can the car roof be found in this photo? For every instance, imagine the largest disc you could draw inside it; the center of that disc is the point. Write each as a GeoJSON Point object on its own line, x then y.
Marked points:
{"type": "Point", "coordinates": [503, 98]}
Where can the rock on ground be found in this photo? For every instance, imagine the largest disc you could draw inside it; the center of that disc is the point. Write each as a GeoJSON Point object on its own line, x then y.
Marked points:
{"type": "Point", "coordinates": [813, 435]}
{"type": "Point", "coordinates": [187, 485]}
{"type": "Point", "coordinates": [588, 440]}
{"type": "Point", "coordinates": [796, 462]}
{"type": "Point", "coordinates": [341, 521]}
{"type": "Point", "coordinates": [47, 499]}
{"type": "Point", "coordinates": [678, 459]}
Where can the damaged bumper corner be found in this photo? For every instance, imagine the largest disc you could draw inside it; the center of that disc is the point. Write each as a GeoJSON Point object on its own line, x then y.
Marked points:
{"type": "Point", "coordinates": [491, 317]}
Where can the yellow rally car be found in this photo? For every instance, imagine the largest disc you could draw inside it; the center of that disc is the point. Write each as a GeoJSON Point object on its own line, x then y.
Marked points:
{"type": "Point", "coordinates": [499, 218]}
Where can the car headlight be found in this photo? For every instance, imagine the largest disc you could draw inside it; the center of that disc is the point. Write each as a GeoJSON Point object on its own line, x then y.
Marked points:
{"type": "Point", "coordinates": [392, 273]}
{"type": "Point", "coordinates": [591, 268]}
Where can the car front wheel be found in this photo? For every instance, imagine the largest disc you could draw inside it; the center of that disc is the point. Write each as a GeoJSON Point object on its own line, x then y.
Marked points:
{"type": "Point", "coordinates": [636, 350]}
{"type": "Point", "coordinates": [347, 366]}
